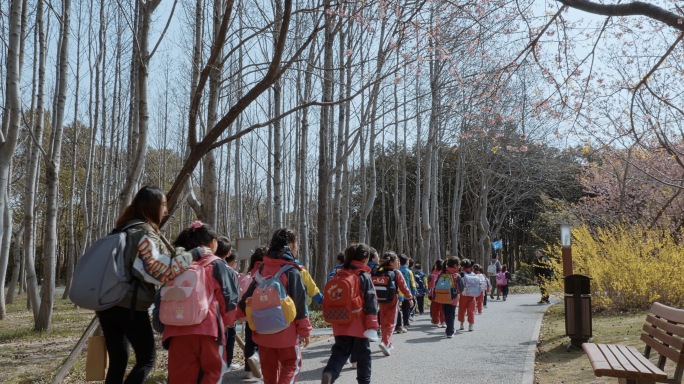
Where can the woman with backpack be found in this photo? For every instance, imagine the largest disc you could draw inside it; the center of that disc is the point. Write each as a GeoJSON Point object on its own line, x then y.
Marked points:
{"type": "Point", "coordinates": [436, 311]}
{"type": "Point", "coordinates": [388, 283]}
{"type": "Point", "coordinates": [278, 337]}
{"type": "Point", "coordinates": [353, 337]}
{"type": "Point", "coordinates": [148, 255]}
{"type": "Point", "coordinates": [196, 341]}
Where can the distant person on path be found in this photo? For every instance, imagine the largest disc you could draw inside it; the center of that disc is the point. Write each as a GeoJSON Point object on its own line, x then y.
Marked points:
{"type": "Point", "coordinates": [388, 283]}
{"type": "Point", "coordinates": [128, 323]}
{"type": "Point", "coordinates": [201, 347]}
{"type": "Point", "coordinates": [502, 279]}
{"type": "Point", "coordinates": [373, 259]}
{"type": "Point", "coordinates": [404, 305]}
{"type": "Point", "coordinates": [353, 338]}
{"type": "Point", "coordinates": [281, 351]}
{"type": "Point", "coordinates": [542, 273]}
{"type": "Point", "coordinates": [230, 257]}
{"type": "Point", "coordinates": [436, 310]}
{"type": "Point", "coordinates": [493, 268]}
{"type": "Point", "coordinates": [421, 287]}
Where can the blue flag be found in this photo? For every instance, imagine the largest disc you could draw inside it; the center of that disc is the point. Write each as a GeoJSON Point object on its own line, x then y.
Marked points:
{"type": "Point", "coordinates": [497, 244]}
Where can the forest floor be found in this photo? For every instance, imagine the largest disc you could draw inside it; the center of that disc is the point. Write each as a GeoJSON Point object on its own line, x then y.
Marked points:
{"type": "Point", "coordinates": [30, 357]}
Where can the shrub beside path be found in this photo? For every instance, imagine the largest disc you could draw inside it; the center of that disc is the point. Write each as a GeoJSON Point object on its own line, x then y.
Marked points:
{"type": "Point", "coordinates": [501, 349]}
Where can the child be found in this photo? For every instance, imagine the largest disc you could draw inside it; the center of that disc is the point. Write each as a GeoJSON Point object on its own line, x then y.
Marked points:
{"type": "Point", "coordinates": [229, 256]}
{"type": "Point", "coordinates": [252, 362]}
{"type": "Point", "coordinates": [421, 287]}
{"type": "Point", "coordinates": [436, 312]}
{"type": "Point", "coordinates": [282, 349]}
{"type": "Point", "coordinates": [340, 262]}
{"type": "Point", "coordinates": [386, 273]}
{"type": "Point", "coordinates": [502, 279]}
{"type": "Point", "coordinates": [484, 288]}
{"type": "Point", "coordinates": [470, 291]}
{"type": "Point", "coordinates": [194, 347]}
{"type": "Point", "coordinates": [450, 268]}
{"type": "Point", "coordinates": [405, 305]}
{"type": "Point", "coordinates": [353, 337]}
{"type": "Point", "coordinates": [373, 260]}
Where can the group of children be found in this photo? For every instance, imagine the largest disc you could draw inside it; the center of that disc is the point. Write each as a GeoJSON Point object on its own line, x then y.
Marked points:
{"type": "Point", "coordinates": [364, 294]}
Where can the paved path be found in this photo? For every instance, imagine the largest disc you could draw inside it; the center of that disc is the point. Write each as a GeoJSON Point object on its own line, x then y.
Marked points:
{"type": "Point", "coordinates": [501, 349]}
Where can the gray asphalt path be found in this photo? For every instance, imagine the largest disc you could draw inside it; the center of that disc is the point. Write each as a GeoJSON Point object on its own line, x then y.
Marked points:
{"type": "Point", "coordinates": [501, 349]}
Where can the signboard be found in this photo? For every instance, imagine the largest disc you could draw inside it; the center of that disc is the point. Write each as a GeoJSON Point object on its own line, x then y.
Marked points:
{"type": "Point", "coordinates": [245, 246]}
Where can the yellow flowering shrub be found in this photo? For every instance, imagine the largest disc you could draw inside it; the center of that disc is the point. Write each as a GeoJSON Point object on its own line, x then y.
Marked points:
{"type": "Point", "coordinates": [630, 267]}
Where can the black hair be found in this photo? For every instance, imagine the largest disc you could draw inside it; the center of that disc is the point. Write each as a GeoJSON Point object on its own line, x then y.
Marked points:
{"type": "Point", "coordinates": [223, 248]}
{"type": "Point", "coordinates": [388, 258]}
{"type": "Point", "coordinates": [417, 266]}
{"type": "Point", "coordinates": [198, 234]}
{"type": "Point", "coordinates": [477, 268]}
{"type": "Point", "coordinates": [146, 206]}
{"type": "Point", "coordinates": [451, 262]}
{"type": "Point", "coordinates": [256, 257]}
{"type": "Point", "coordinates": [411, 263]}
{"type": "Point", "coordinates": [373, 254]}
{"type": "Point", "coordinates": [356, 252]}
{"type": "Point", "coordinates": [466, 264]}
{"type": "Point", "coordinates": [232, 256]}
{"type": "Point", "coordinates": [438, 264]}
{"type": "Point", "coordinates": [281, 240]}
{"type": "Point", "coordinates": [340, 258]}
{"type": "Point", "coordinates": [403, 259]}
{"type": "Point", "coordinates": [504, 268]}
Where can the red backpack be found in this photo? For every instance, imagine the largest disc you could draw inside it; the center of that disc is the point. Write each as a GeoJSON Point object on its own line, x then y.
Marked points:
{"type": "Point", "coordinates": [343, 299]}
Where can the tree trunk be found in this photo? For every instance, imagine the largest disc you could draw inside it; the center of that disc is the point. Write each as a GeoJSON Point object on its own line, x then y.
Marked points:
{"type": "Point", "coordinates": [53, 166]}
{"type": "Point", "coordinates": [10, 128]}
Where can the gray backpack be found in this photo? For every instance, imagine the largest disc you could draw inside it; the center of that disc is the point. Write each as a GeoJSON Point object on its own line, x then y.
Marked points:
{"type": "Point", "coordinates": [101, 279]}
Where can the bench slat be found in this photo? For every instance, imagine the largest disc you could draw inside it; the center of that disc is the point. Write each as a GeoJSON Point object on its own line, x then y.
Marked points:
{"type": "Point", "coordinates": [662, 349]}
{"type": "Point", "coordinates": [675, 329]}
{"type": "Point", "coordinates": [676, 344]}
{"type": "Point", "coordinates": [598, 361]}
{"type": "Point", "coordinates": [669, 313]}
{"type": "Point", "coordinates": [621, 360]}
{"type": "Point", "coordinates": [646, 367]}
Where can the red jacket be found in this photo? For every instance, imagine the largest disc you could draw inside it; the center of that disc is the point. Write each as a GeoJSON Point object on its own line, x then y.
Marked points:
{"type": "Point", "coordinates": [369, 317]}
{"type": "Point", "coordinates": [223, 303]}
{"type": "Point", "coordinates": [292, 280]}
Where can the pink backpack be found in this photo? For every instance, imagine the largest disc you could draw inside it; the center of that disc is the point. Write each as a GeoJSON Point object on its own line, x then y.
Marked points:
{"type": "Point", "coordinates": [185, 300]}
{"type": "Point", "coordinates": [244, 281]}
{"type": "Point", "coordinates": [501, 278]}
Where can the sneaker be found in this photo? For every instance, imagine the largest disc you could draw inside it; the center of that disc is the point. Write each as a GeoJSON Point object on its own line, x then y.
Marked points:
{"type": "Point", "coordinates": [326, 378]}
{"type": "Point", "coordinates": [353, 365]}
{"type": "Point", "coordinates": [498, 297]}
{"type": "Point", "coordinates": [385, 349]}
{"type": "Point", "coordinates": [234, 367]}
{"type": "Point", "coordinates": [398, 330]}
{"type": "Point", "coordinates": [470, 327]}
{"type": "Point", "coordinates": [255, 365]}
{"type": "Point", "coordinates": [249, 375]}
{"type": "Point", "coordinates": [443, 325]}
{"type": "Point", "coordinates": [450, 336]}
{"type": "Point", "coordinates": [486, 306]}
{"type": "Point", "coordinates": [541, 302]}
{"type": "Point", "coordinates": [491, 297]}
{"type": "Point", "coordinates": [504, 298]}
{"type": "Point", "coordinates": [461, 328]}
{"type": "Point", "coordinates": [437, 325]}
{"type": "Point", "coordinates": [547, 301]}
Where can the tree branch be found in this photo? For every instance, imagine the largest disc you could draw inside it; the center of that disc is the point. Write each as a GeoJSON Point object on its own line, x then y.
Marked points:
{"type": "Point", "coordinates": [636, 8]}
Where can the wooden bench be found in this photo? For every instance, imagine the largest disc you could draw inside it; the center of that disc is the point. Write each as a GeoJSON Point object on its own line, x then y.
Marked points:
{"type": "Point", "coordinates": [663, 333]}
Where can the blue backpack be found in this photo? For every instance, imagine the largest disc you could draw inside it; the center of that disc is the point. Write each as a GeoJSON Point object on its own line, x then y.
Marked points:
{"type": "Point", "coordinates": [471, 285]}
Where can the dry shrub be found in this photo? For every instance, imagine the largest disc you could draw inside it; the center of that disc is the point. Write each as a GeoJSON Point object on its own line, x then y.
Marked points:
{"type": "Point", "coordinates": [631, 267]}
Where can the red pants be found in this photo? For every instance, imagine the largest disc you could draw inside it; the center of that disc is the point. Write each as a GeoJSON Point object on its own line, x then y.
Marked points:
{"type": "Point", "coordinates": [188, 354]}
{"type": "Point", "coordinates": [388, 316]}
{"type": "Point", "coordinates": [436, 313]}
{"type": "Point", "coordinates": [479, 301]}
{"type": "Point", "coordinates": [466, 303]}
{"type": "Point", "coordinates": [280, 365]}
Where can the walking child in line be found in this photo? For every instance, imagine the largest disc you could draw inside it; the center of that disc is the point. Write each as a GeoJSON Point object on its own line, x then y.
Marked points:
{"type": "Point", "coordinates": [252, 361]}
{"type": "Point", "coordinates": [447, 290]}
{"type": "Point", "coordinates": [421, 287]}
{"type": "Point", "coordinates": [484, 288]}
{"type": "Point", "coordinates": [229, 255]}
{"type": "Point", "coordinates": [201, 346]}
{"type": "Point", "coordinates": [471, 290]}
{"type": "Point", "coordinates": [436, 312]}
{"type": "Point", "coordinates": [353, 338]}
{"type": "Point", "coordinates": [502, 279]}
{"type": "Point", "coordinates": [388, 282]}
{"type": "Point", "coordinates": [280, 348]}
{"type": "Point", "coordinates": [404, 314]}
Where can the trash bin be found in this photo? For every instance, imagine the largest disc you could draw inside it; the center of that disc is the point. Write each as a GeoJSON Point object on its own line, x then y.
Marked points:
{"type": "Point", "coordinates": [578, 308]}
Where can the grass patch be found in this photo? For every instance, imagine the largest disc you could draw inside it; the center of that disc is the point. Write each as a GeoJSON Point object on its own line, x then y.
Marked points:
{"type": "Point", "coordinates": [555, 364]}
